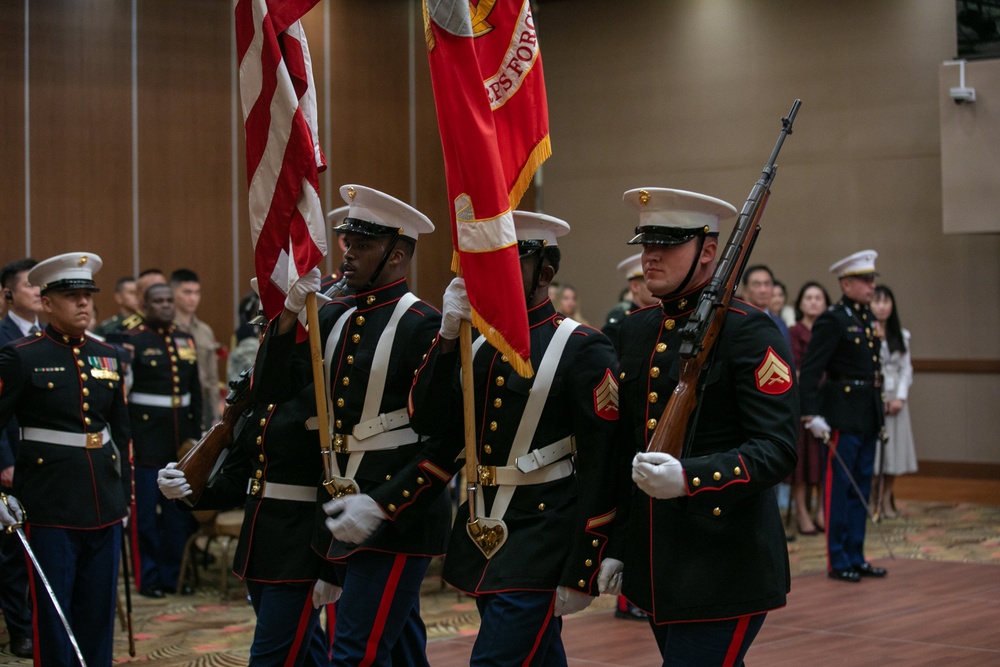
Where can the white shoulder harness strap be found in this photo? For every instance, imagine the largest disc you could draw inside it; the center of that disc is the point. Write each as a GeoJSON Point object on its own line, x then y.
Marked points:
{"type": "Point", "coordinates": [531, 415]}
{"type": "Point", "coordinates": [376, 380]}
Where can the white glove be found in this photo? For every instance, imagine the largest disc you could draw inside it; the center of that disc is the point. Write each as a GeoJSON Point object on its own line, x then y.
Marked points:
{"type": "Point", "coordinates": [570, 602]}
{"type": "Point", "coordinates": [325, 593]}
{"type": "Point", "coordinates": [353, 518]}
{"type": "Point", "coordinates": [295, 300]}
{"type": "Point", "coordinates": [172, 482]}
{"type": "Point", "coordinates": [11, 513]}
{"type": "Point", "coordinates": [609, 577]}
{"type": "Point", "coordinates": [455, 307]}
{"type": "Point", "coordinates": [659, 475]}
{"type": "Point", "coordinates": [818, 427]}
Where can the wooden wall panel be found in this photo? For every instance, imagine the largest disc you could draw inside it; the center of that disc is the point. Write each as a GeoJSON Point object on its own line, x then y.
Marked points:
{"type": "Point", "coordinates": [12, 234]}
{"type": "Point", "coordinates": [80, 89]}
{"type": "Point", "coordinates": [185, 200]}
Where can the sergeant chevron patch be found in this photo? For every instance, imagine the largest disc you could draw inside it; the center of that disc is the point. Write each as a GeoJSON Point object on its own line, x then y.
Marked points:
{"type": "Point", "coordinates": [773, 376]}
{"type": "Point", "coordinates": [606, 397]}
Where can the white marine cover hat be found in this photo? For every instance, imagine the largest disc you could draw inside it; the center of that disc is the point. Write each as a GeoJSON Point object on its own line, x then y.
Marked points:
{"type": "Point", "coordinates": [631, 266]}
{"type": "Point", "coordinates": [69, 271]}
{"type": "Point", "coordinates": [672, 217]}
{"type": "Point", "coordinates": [539, 227]}
{"type": "Point", "coordinates": [859, 264]}
{"type": "Point", "coordinates": [375, 213]}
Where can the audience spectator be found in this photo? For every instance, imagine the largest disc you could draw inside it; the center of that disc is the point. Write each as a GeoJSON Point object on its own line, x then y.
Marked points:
{"type": "Point", "coordinates": [127, 299]}
{"type": "Point", "coordinates": [897, 456]}
{"type": "Point", "coordinates": [246, 339]}
{"type": "Point", "coordinates": [813, 299]}
{"type": "Point", "coordinates": [758, 288]}
{"type": "Point", "coordinates": [187, 296]}
{"type": "Point", "coordinates": [569, 304]}
{"type": "Point", "coordinates": [779, 304]}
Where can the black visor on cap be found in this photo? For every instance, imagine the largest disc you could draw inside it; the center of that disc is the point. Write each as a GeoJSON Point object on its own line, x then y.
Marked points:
{"type": "Point", "coordinates": [656, 235]}
{"type": "Point", "coordinates": [528, 248]}
{"type": "Point", "coordinates": [365, 227]}
{"type": "Point", "coordinates": [70, 284]}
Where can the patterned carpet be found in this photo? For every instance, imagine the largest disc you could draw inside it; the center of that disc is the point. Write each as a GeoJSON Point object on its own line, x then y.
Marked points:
{"type": "Point", "coordinates": [205, 630]}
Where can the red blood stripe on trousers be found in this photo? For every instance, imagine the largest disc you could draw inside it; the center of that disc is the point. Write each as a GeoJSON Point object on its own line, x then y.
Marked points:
{"type": "Point", "coordinates": [734, 646]}
{"type": "Point", "coordinates": [300, 631]}
{"type": "Point", "coordinates": [371, 650]}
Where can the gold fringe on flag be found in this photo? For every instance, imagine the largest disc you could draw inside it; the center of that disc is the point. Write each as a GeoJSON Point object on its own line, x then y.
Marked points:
{"type": "Point", "coordinates": [539, 154]}
{"type": "Point", "coordinates": [521, 366]}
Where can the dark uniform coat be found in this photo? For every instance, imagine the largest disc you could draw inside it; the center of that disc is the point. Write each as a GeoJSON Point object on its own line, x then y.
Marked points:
{"type": "Point", "coordinates": [557, 530]}
{"type": "Point", "coordinates": [64, 383]}
{"type": "Point", "coordinates": [272, 444]}
{"type": "Point", "coordinates": [613, 326]}
{"type": "Point", "coordinates": [163, 364]}
{"type": "Point", "coordinates": [845, 348]}
{"type": "Point", "coordinates": [718, 552]}
{"type": "Point", "coordinates": [423, 531]}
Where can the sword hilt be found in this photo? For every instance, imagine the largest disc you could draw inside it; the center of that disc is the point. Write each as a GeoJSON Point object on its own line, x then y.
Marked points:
{"type": "Point", "coordinates": [14, 511]}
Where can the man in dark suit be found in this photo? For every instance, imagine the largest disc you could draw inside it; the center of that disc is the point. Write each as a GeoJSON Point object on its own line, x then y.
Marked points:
{"type": "Point", "coordinates": [847, 409]}
{"type": "Point", "coordinates": [23, 305]}
{"type": "Point", "coordinates": [73, 473]}
{"type": "Point", "coordinates": [704, 550]}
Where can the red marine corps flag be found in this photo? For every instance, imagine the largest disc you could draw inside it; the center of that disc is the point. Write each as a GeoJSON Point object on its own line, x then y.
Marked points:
{"type": "Point", "coordinates": [283, 155]}
{"type": "Point", "coordinates": [492, 115]}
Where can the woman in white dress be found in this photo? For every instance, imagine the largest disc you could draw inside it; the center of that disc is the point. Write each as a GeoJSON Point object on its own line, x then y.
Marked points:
{"type": "Point", "coordinates": [900, 455]}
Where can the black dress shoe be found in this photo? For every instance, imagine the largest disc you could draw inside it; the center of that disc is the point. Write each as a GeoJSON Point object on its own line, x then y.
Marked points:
{"type": "Point", "coordinates": [631, 614]}
{"type": "Point", "coordinates": [22, 647]}
{"type": "Point", "coordinates": [185, 590]}
{"type": "Point", "coordinates": [156, 593]}
{"type": "Point", "coordinates": [845, 575]}
{"type": "Point", "coordinates": [869, 570]}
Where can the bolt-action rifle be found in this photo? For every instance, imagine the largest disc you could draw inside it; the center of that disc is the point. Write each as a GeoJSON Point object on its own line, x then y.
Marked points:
{"type": "Point", "coordinates": [703, 327]}
{"type": "Point", "coordinates": [201, 460]}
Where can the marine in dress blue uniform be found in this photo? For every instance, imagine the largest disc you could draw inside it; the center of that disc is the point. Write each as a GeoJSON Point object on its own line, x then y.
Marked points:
{"type": "Point", "coordinates": [165, 408]}
{"type": "Point", "coordinates": [73, 474]}
{"type": "Point", "coordinates": [638, 297]}
{"type": "Point", "coordinates": [373, 343]}
{"type": "Point", "coordinates": [704, 549]}
{"type": "Point", "coordinates": [545, 451]}
{"type": "Point", "coordinates": [271, 471]}
{"type": "Point", "coordinates": [846, 406]}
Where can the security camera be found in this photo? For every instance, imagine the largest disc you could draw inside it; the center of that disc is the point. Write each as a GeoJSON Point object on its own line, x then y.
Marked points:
{"type": "Point", "coordinates": [962, 94]}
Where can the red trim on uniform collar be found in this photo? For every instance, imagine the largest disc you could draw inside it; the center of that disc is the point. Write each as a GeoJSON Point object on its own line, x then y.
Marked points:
{"type": "Point", "coordinates": [64, 338]}
{"type": "Point", "coordinates": [682, 304]}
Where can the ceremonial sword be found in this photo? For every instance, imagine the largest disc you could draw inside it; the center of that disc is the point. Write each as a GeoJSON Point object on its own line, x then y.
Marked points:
{"type": "Point", "coordinates": [16, 528]}
{"type": "Point", "coordinates": [857, 490]}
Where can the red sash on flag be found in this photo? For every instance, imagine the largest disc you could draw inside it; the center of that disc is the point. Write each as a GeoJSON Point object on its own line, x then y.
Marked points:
{"type": "Point", "coordinates": [282, 146]}
{"type": "Point", "coordinates": [492, 114]}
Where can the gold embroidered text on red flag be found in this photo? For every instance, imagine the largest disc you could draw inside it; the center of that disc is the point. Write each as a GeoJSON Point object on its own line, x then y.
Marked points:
{"type": "Point", "coordinates": [492, 114]}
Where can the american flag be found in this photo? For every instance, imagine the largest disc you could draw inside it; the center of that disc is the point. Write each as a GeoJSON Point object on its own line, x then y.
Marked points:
{"type": "Point", "coordinates": [489, 90]}
{"type": "Point", "coordinates": [282, 147]}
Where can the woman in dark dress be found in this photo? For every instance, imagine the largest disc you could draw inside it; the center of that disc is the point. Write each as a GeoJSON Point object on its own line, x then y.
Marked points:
{"type": "Point", "coordinates": [812, 301]}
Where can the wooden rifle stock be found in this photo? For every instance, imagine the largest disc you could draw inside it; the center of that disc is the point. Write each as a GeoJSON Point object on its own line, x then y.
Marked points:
{"type": "Point", "coordinates": [705, 324]}
{"type": "Point", "coordinates": [199, 462]}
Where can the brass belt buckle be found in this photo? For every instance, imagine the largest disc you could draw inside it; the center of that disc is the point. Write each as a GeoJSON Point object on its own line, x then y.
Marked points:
{"type": "Point", "coordinates": [94, 441]}
{"type": "Point", "coordinates": [257, 488]}
{"type": "Point", "coordinates": [175, 401]}
{"type": "Point", "coordinates": [487, 475]}
{"type": "Point", "coordinates": [340, 444]}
